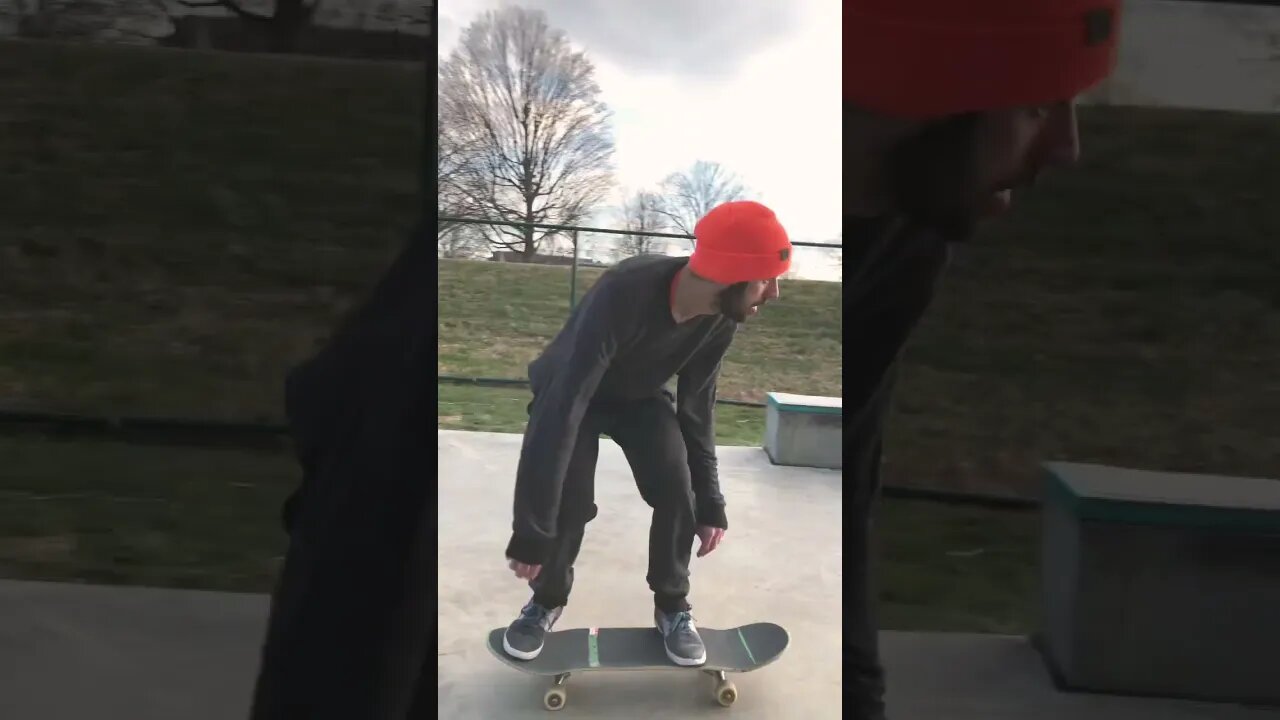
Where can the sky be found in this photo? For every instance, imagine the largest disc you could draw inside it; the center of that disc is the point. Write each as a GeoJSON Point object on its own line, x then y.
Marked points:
{"type": "Point", "coordinates": [751, 84]}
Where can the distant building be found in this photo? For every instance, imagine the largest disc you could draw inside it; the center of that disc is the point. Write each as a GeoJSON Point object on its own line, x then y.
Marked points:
{"type": "Point", "coordinates": [506, 256]}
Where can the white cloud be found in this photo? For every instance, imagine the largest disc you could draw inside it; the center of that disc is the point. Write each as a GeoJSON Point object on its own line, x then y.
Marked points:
{"type": "Point", "coordinates": [773, 115]}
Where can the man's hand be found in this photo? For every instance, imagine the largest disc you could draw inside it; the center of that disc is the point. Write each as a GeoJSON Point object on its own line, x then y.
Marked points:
{"type": "Point", "coordinates": [524, 571]}
{"type": "Point", "coordinates": [710, 538]}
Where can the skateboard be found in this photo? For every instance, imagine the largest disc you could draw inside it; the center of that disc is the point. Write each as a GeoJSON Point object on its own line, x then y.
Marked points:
{"type": "Point", "coordinates": [736, 650]}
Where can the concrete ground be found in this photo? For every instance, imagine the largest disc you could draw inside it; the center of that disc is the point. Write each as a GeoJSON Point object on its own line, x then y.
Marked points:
{"type": "Point", "coordinates": [780, 562]}
{"type": "Point", "coordinates": [75, 651]}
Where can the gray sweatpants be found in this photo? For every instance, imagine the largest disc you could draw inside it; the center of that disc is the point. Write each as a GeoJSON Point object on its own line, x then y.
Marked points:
{"type": "Point", "coordinates": [887, 288]}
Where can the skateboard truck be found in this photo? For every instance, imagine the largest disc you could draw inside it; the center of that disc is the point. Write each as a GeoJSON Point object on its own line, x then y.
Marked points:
{"type": "Point", "coordinates": [724, 691]}
{"type": "Point", "coordinates": [555, 697]}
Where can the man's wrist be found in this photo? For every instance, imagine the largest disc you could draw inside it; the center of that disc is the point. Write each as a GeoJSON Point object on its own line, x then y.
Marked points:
{"type": "Point", "coordinates": [712, 515]}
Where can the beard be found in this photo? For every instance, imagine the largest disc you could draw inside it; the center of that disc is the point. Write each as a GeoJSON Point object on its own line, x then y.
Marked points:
{"type": "Point", "coordinates": [732, 302]}
{"type": "Point", "coordinates": [933, 176]}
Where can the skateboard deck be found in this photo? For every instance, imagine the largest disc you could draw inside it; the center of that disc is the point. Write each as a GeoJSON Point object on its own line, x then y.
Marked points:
{"type": "Point", "coordinates": [740, 649]}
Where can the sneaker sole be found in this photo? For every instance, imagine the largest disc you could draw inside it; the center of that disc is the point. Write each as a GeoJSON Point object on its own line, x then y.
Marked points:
{"type": "Point", "coordinates": [686, 662]}
{"type": "Point", "coordinates": [518, 654]}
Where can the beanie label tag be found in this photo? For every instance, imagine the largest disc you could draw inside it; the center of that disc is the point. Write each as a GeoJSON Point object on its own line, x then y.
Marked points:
{"type": "Point", "coordinates": [1097, 27]}
{"type": "Point", "coordinates": [784, 253]}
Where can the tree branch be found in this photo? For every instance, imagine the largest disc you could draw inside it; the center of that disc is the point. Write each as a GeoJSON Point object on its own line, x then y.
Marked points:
{"type": "Point", "coordinates": [534, 139]}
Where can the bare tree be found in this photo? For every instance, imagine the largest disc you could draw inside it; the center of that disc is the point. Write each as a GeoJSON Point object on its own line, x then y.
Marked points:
{"type": "Point", "coordinates": [403, 13]}
{"type": "Point", "coordinates": [282, 26]}
{"type": "Point", "coordinates": [68, 19]}
{"type": "Point", "coordinates": [455, 150]}
{"type": "Point", "coordinates": [80, 19]}
{"type": "Point", "coordinates": [689, 194]}
{"type": "Point", "coordinates": [641, 213]}
{"type": "Point", "coordinates": [456, 240]}
{"type": "Point", "coordinates": [460, 241]}
{"type": "Point", "coordinates": [400, 14]}
{"type": "Point", "coordinates": [526, 108]}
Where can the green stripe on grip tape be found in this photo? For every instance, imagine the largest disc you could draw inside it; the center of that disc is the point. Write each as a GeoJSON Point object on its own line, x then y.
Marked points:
{"type": "Point", "coordinates": [593, 648]}
{"type": "Point", "coordinates": [746, 647]}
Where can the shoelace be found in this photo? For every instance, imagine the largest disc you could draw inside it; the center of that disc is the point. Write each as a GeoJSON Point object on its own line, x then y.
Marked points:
{"type": "Point", "coordinates": [683, 621]}
{"type": "Point", "coordinates": [535, 614]}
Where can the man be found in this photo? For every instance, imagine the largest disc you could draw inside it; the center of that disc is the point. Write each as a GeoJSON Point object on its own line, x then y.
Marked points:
{"type": "Point", "coordinates": [949, 107]}
{"type": "Point", "coordinates": [351, 621]}
{"type": "Point", "coordinates": [643, 322]}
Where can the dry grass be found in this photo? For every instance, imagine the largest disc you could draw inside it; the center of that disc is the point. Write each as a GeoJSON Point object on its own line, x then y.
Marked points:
{"type": "Point", "coordinates": [181, 227]}
{"type": "Point", "coordinates": [112, 513]}
{"type": "Point", "coordinates": [496, 317]}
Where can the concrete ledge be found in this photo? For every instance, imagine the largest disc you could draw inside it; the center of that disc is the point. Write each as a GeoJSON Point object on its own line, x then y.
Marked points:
{"type": "Point", "coordinates": [804, 430]}
{"type": "Point", "coordinates": [1161, 584]}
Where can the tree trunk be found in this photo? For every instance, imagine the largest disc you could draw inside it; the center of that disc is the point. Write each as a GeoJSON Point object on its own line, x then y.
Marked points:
{"type": "Point", "coordinates": [287, 24]}
{"type": "Point", "coordinates": [529, 249]}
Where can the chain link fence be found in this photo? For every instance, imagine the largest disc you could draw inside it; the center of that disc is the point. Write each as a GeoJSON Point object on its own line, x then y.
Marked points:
{"type": "Point", "coordinates": [499, 307]}
{"type": "Point", "coordinates": [578, 246]}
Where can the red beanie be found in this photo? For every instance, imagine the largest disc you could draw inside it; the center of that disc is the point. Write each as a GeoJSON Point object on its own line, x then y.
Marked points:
{"type": "Point", "coordinates": [917, 59]}
{"type": "Point", "coordinates": [740, 241]}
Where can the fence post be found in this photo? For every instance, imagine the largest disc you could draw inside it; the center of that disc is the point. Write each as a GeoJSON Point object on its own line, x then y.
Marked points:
{"type": "Point", "coordinates": [573, 274]}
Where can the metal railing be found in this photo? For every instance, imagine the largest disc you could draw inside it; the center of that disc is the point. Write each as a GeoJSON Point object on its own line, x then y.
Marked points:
{"type": "Point", "coordinates": [573, 231]}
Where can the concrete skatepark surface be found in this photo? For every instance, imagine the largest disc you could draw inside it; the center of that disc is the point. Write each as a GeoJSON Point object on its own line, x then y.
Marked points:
{"type": "Point", "coordinates": [780, 562]}
{"type": "Point", "coordinates": [79, 651]}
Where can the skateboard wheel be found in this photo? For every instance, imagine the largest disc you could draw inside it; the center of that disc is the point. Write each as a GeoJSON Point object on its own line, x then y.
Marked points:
{"type": "Point", "coordinates": [726, 693]}
{"type": "Point", "coordinates": [554, 699]}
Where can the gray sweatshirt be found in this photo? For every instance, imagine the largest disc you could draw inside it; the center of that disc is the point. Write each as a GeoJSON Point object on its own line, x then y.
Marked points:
{"type": "Point", "coordinates": [620, 343]}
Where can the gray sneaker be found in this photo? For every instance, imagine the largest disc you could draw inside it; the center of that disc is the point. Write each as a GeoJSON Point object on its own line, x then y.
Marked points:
{"type": "Point", "coordinates": [680, 638]}
{"type": "Point", "coordinates": [523, 639]}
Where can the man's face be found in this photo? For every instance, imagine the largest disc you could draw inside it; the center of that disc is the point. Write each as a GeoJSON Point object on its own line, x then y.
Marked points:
{"type": "Point", "coordinates": [1014, 146]}
{"type": "Point", "coordinates": [955, 171]}
{"type": "Point", "coordinates": [742, 300]}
